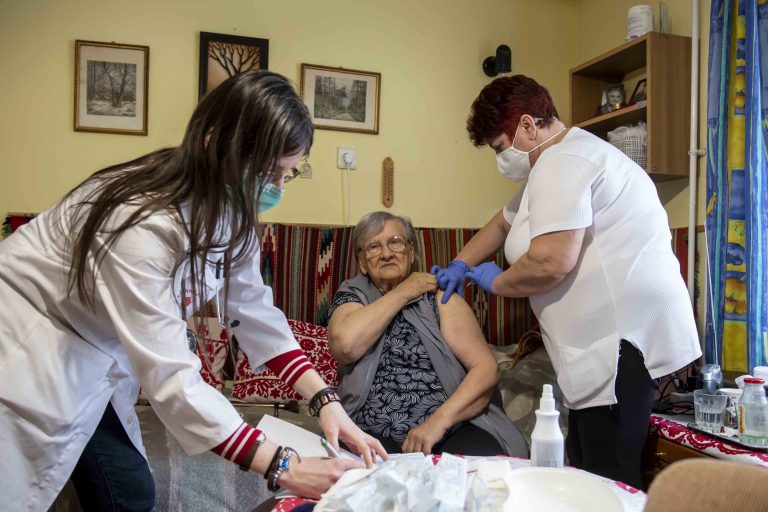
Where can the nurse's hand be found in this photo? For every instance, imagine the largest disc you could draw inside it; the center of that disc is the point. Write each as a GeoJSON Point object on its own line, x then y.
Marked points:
{"type": "Point", "coordinates": [338, 426]}
{"type": "Point", "coordinates": [451, 279]}
{"type": "Point", "coordinates": [313, 476]}
{"type": "Point", "coordinates": [484, 274]}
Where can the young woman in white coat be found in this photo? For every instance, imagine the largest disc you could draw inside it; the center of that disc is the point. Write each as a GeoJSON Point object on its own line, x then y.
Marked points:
{"type": "Point", "coordinates": [588, 241]}
{"type": "Point", "coordinates": [95, 294]}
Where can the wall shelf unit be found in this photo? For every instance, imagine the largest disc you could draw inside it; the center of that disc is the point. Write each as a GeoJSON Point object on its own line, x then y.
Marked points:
{"type": "Point", "coordinates": [664, 60]}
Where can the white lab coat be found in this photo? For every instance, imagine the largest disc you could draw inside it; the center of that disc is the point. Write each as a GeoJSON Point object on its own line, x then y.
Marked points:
{"type": "Point", "coordinates": [61, 363]}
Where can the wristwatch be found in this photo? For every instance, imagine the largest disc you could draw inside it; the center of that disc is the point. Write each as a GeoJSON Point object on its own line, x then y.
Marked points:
{"type": "Point", "coordinates": [245, 465]}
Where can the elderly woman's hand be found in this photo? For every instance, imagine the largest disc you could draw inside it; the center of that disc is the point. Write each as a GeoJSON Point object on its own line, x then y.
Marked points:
{"type": "Point", "coordinates": [337, 425]}
{"type": "Point", "coordinates": [423, 437]}
{"type": "Point", "coordinates": [417, 284]}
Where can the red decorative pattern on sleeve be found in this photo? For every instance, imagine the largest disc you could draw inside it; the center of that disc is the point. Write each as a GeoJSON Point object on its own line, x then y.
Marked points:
{"type": "Point", "coordinates": [289, 366]}
{"type": "Point", "coordinates": [237, 446]}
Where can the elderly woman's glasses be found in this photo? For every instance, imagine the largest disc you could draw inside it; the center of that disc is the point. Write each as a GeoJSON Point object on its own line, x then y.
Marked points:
{"type": "Point", "coordinates": [395, 243]}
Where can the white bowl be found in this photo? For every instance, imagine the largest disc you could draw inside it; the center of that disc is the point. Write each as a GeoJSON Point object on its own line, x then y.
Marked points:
{"type": "Point", "coordinates": [558, 490]}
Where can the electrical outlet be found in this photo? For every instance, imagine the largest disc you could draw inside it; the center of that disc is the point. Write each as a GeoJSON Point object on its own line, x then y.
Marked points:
{"type": "Point", "coordinates": [341, 163]}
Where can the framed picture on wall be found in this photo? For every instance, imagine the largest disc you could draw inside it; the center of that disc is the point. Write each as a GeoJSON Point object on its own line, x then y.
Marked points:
{"type": "Point", "coordinates": [224, 55]}
{"type": "Point", "coordinates": [111, 85]}
{"type": "Point", "coordinates": [341, 99]}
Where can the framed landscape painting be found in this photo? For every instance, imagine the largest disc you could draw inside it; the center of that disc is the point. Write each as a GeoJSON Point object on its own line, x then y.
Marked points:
{"type": "Point", "coordinates": [111, 84]}
{"type": "Point", "coordinates": [224, 55]}
{"type": "Point", "coordinates": [341, 99]}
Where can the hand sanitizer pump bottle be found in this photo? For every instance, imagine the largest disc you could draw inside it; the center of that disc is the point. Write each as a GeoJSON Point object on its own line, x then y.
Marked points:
{"type": "Point", "coordinates": [547, 445]}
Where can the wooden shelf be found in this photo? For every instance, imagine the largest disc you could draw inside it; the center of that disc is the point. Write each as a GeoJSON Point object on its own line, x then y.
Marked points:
{"type": "Point", "coordinates": [601, 125]}
{"type": "Point", "coordinates": [665, 61]}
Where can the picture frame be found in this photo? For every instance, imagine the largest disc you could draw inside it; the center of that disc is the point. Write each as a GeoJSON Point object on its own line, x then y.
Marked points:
{"type": "Point", "coordinates": [640, 93]}
{"type": "Point", "coordinates": [613, 99]}
{"type": "Point", "coordinates": [225, 55]}
{"type": "Point", "coordinates": [341, 99]}
{"type": "Point", "coordinates": [111, 88]}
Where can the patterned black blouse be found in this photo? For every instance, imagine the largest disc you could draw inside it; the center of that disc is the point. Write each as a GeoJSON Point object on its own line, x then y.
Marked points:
{"type": "Point", "coordinates": [405, 390]}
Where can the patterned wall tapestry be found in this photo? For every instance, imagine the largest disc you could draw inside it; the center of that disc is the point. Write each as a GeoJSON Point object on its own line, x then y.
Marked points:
{"type": "Point", "coordinates": [737, 184]}
{"type": "Point", "coordinates": [306, 264]}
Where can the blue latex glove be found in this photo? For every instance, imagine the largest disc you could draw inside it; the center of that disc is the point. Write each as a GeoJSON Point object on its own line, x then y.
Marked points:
{"type": "Point", "coordinates": [484, 274]}
{"type": "Point", "coordinates": [451, 279]}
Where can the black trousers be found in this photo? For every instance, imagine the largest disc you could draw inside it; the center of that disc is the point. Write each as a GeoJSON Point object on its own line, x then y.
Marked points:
{"type": "Point", "coordinates": [465, 440]}
{"type": "Point", "coordinates": [609, 440]}
{"type": "Point", "coordinates": [111, 474]}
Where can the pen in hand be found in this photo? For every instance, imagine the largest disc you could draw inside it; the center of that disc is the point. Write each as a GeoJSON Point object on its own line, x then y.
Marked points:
{"type": "Point", "coordinates": [333, 452]}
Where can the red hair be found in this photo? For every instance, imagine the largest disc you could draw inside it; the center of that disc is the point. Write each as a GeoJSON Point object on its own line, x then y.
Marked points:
{"type": "Point", "coordinates": [503, 102]}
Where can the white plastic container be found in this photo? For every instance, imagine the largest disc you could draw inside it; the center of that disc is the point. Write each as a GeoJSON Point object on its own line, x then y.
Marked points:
{"type": "Point", "coordinates": [761, 372]}
{"type": "Point", "coordinates": [639, 21]}
{"type": "Point", "coordinates": [547, 444]}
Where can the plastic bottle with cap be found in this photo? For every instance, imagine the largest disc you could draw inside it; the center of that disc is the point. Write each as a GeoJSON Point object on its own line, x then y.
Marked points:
{"type": "Point", "coordinates": [547, 444]}
{"type": "Point", "coordinates": [753, 413]}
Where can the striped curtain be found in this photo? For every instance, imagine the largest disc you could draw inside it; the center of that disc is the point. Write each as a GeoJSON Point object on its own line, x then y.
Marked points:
{"type": "Point", "coordinates": [737, 185]}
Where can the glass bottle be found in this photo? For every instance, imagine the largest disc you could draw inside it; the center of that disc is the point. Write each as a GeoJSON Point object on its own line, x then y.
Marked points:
{"type": "Point", "coordinates": [753, 413]}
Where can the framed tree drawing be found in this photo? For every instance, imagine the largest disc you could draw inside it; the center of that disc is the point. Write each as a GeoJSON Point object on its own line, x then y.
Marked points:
{"type": "Point", "coordinates": [341, 99]}
{"type": "Point", "coordinates": [111, 85]}
{"type": "Point", "coordinates": [224, 55]}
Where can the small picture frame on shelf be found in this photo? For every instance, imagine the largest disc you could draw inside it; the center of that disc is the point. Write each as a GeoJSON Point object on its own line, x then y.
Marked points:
{"type": "Point", "coordinates": [639, 94]}
{"type": "Point", "coordinates": [111, 84]}
{"type": "Point", "coordinates": [613, 99]}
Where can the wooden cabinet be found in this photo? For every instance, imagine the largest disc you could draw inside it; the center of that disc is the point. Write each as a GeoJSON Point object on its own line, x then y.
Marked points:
{"type": "Point", "coordinates": [660, 453]}
{"type": "Point", "coordinates": [665, 62]}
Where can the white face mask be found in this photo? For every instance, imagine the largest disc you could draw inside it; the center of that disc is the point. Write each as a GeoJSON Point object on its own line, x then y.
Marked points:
{"type": "Point", "coordinates": [514, 164]}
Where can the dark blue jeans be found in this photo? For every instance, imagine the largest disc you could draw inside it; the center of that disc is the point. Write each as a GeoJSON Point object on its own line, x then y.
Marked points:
{"type": "Point", "coordinates": [111, 474]}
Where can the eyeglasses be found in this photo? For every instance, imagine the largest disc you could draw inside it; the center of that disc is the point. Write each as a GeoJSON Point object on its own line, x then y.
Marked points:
{"type": "Point", "coordinates": [293, 173]}
{"type": "Point", "coordinates": [395, 243]}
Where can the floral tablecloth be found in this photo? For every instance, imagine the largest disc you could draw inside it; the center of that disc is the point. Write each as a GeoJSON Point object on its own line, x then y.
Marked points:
{"type": "Point", "coordinates": [632, 499]}
{"type": "Point", "coordinates": [675, 429]}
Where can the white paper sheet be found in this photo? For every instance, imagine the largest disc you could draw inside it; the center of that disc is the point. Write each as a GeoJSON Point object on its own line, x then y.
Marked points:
{"type": "Point", "coordinates": [306, 443]}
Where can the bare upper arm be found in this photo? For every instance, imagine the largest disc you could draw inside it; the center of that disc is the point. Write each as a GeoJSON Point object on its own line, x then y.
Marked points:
{"type": "Point", "coordinates": [559, 248]}
{"type": "Point", "coordinates": [462, 333]}
{"type": "Point", "coordinates": [337, 325]}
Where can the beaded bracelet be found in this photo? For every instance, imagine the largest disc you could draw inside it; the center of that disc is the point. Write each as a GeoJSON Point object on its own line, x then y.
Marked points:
{"type": "Point", "coordinates": [321, 399]}
{"type": "Point", "coordinates": [283, 463]}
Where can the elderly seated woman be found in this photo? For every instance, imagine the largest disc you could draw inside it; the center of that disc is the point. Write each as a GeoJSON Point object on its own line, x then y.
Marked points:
{"type": "Point", "coordinates": [415, 373]}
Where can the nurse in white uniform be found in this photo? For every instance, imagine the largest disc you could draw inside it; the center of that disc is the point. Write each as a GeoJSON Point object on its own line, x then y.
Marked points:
{"type": "Point", "coordinates": [588, 242]}
{"type": "Point", "coordinates": [95, 292]}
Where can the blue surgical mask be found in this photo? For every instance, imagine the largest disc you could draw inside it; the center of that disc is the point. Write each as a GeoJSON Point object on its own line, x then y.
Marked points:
{"type": "Point", "coordinates": [271, 195]}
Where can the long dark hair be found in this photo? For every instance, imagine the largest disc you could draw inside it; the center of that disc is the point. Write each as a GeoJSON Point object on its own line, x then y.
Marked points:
{"type": "Point", "coordinates": [231, 149]}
